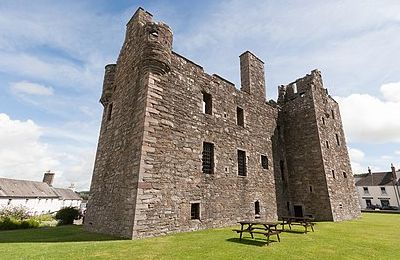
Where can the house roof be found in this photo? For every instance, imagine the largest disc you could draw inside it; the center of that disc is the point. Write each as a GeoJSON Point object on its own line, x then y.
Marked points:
{"type": "Point", "coordinates": [23, 188]}
{"type": "Point", "coordinates": [375, 179]}
{"type": "Point", "coordinates": [11, 188]}
{"type": "Point", "coordinates": [67, 194]}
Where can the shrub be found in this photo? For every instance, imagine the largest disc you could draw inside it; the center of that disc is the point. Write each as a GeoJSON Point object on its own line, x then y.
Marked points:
{"type": "Point", "coordinates": [66, 216]}
{"type": "Point", "coordinates": [18, 213]}
{"type": "Point", "coordinates": [7, 223]}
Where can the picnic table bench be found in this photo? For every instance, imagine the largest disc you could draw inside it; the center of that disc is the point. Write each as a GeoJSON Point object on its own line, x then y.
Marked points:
{"type": "Point", "coordinates": [258, 227]}
{"type": "Point", "coordinates": [301, 221]}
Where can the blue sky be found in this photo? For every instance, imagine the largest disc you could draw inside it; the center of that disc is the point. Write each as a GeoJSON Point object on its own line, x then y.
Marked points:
{"type": "Point", "coordinates": [53, 53]}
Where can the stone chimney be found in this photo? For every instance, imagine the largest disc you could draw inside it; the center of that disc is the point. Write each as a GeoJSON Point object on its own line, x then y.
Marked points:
{"type": "Point", "coordinates": [369, 170]}
{"type": "Point", "coordinates": [394, 175]}
{"type": "Point", "coordinates": [48, 178]}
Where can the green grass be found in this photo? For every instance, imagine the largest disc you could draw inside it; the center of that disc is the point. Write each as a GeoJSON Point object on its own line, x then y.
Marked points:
{"type": "Point", "coordinates": [373, 236]}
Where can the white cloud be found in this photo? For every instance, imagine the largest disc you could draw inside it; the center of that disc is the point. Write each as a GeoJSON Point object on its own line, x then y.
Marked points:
{"type": "Point", "coordinates": [356, 155]}
{"type": "Point", "coordinates": [25, 87]}
{"type": "Point", "coordinates": [24, 156]}
{"type": "Point", "coordinates": [391, 91]}
{"type": "Point", "coordinates": [369, 119]}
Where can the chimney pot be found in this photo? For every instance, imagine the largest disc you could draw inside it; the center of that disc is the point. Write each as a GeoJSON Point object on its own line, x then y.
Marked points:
{"type": "Point", "coordinates": [48, 178]}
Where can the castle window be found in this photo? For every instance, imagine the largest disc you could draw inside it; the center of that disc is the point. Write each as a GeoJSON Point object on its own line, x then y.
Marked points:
{"type": "Point", "coordinates": [340, 205]}
{"type": "Point", "coordinates": [109, 111]}
{"type": "Point", "coordinates": [333, 174]}
{"type": "Point", "coordinates": [240, 116]}
{"type": "Point", "coordinates": [257, 209]}
{"type": "Point", "coordinates": [337, 140]}
{"type": "Point", "coordinates": [195, 211]}
{"type": "Point", "coordinates": [327, 144]}
{"type": "Point", "coordinates": [207, 103]}
{"type": "Point", "coordinates": [323, 120]}
{"type": "Point", "coordinates": [311, 189]}
{"type": "Point", "coordinates": [288, 206]}
{"type": "Point", "coordinates": [344, 174]}
{"type": "Point", "coordinates": [294, 85]}
{"type": "Point", "coordinates": [282, 166]}
{"type": "Point", "coordinates": [241, 163]}
{"type": "Point", "coordinates": [208, 158]}
{"type": "Point", "coordinates": [264, 161]}
{"type": "Point", "coordinates": [333, 114]}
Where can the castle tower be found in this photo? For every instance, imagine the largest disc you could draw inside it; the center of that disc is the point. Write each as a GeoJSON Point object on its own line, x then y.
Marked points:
{"type": "Point", "coordinates": [317, 167]}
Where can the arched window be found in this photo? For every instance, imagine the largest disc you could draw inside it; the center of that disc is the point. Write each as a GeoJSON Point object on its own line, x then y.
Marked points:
{"type": "Point", "coordinates": [257, 209]}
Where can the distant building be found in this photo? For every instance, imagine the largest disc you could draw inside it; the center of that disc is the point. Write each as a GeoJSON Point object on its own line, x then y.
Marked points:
{"type": "Point", "coordinates": [378, 189]}
{"type": "Point", "coordinates": [37, 197]}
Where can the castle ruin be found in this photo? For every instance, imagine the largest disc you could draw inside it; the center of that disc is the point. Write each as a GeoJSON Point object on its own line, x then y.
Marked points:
{"type": "Point", "coordinates": [183, 150]}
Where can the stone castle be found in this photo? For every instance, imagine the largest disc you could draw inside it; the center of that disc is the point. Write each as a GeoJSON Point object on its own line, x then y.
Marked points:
{"type": "Point", "coordinates": [182, 150]}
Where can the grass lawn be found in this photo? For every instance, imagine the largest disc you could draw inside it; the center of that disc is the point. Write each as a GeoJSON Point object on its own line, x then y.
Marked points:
{"type": "Point", "coordinates": [373, 236]}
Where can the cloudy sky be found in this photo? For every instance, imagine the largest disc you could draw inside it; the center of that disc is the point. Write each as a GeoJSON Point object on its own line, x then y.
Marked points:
{"type": "Point", "coordinates": [52, 57]}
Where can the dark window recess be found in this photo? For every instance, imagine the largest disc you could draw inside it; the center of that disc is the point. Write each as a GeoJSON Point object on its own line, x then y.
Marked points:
{"type": "Point", "coordinates": [195, 211]}
{"type": "Point", "coordinates": [383, 191]}
{"type": "Point", "coordinates": [333, 174]}
{"type": "Point", "coordinates": [344, 174]}
{"type": "Point", "coordinates": [311, 189]}
{"type": "Point", "coordinates": [208, 158]}
{"type": "Point", "coordinates": [323, 120]}
{"type": "Point", "coordinates": [333, 114]}
{"type": "Point", "coordinates": [207, 103]}
{"type": "Point", "coordinates": [257, 208]}
{"type": "Point", "coordinates": [242, 163]}
{"type": "Point", "coordinates": [240, 116]}
{"type": "Point", "coordinates": [109, 111]}
{"type": "Point", "coordinates": [282, 168]}
{"type": "Point", "coordinates": [366, 191]}
{"type": "Point", "coordinates": [264, 161]}
{"type": "Point", "coordinates": [327, 144]}
{"type": "Point", "coordinates": [337, 139]}
{"type": "Point", "coordinates": [288, 206]}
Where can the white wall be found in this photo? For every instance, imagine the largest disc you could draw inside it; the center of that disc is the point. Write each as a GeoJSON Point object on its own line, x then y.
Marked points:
{"type": "Point", "coordinates": [375, 195]}
{"type": "Point", "coordinates": [38, 206]}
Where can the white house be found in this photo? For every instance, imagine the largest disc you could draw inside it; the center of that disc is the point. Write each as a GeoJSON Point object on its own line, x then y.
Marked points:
{"type": "Point", "coordinates": [378, 189]}
{"type": "Point", "coordinates": [37, 197]}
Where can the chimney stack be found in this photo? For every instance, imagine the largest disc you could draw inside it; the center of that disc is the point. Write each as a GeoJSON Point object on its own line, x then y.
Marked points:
{"type": "Point", "coordinates": [48, 178]}
{"type": "Point", "coordinates": [394, 176]}
{"type": "Point", "coordinates": [369, 170]}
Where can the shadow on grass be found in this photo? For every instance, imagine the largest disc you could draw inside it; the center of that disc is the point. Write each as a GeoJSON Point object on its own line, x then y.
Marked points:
{"type": "Point", "coordinates": [300, 232]}
{"type": "Point", "coordinates": [69, 233]}
{"type": "Point", "coordinates": [253, 242]}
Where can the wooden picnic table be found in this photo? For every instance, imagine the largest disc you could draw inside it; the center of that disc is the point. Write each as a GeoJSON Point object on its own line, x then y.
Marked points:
{"type": "Point", "coordinates": [301, 221]}
{"type": "Point", "coordinates": [259, 227]}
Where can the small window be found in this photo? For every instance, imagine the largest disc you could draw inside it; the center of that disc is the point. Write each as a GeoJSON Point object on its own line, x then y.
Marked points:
{"type": "Point", "coordinates": [385, 203]}
{"type": "Point", "coordinates": [337, 140]}
{"type": "Point", "coordinates": [109, 111]}
{"type": "Point", "coordinates": [333, 114]}
{"type": "Point", "coordinates": [323, 120]}
{"type": "Point", "coordinates": [340, 205]}
{"type": "Point", "coordinates": [208, 158]}
{"type": "Point", "coordinates": [257, 209]}
{"type": "Point", "coordinates": [282, 168]}
{"type": "Point", "coordinates": [288, 206]}
{"type": "Point", "coordinates": [366, 191]}
{"type": "Point", "coordinates": [327, 144]}
{"type": "Point", "coordinates": [333, 174]}
{"type": "Point", "coordinates": [264, 161]}
{"type": "Point", "coordinates": [9, 201]}
{"type": "Point", "coordinates": [383, 191]}
{"type": "Point", "coordinates": [207, 103]}
{"type": "Point", "coordinates": [195, 211]}
{"type": "Point", "coordinates": [241, 163]}
{"type": "Point", "coordinates": [240, 116]}
{"type": "Point", "coordinates": [311, 189]}
{"type": "Point", "coordinates": [344, 175]}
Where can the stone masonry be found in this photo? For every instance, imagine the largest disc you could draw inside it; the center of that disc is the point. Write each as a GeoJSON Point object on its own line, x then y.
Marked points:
{"type": "Point", "coordinates": [182, 150]}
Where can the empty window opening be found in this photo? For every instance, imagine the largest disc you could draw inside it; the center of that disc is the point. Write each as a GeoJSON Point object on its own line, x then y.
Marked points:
{"type": "Point", "coordinates": [344, 175]}
{"type": "Point", "coordinates": [383, 191]}
{"type": "Point", "coordinates": [207, 103]}
{"type": "Point", "coordinates": [337, 139]}
{"type": "Point", "coordinates": [9, 201]}
{"type": "Point", "coordinates": [264, 161]}
{"type": "Point", "coordinates": [294, 85]}
{"type": "Point", "coordinates": [333, 174]}
{"type": "Point", "coordinates": [323, 120]}
{"type": "Point", "coordinates": [109, 111]}
{"type": "Point", "coordinates": [311, 189]}
{"type": "Point", "coordinates": [242, 163]}
{"type": "Point", "coordinates": [208, 158]}
{"type": "Point", "coordinates": [257, 209]}
{"type": "Point", "coordinates": [365, 189]}
{"type": "Point", "coordinates": [327, 144]}
{"type": "Point", "coordinates": [288, 206]}
{"type": "Point", "coordinates": [240, 116]}
{"type": "Point", "coordinates": [340, 205]}
{"type": "Point", "coordinates": [302, 94]}
{"type": "Point", "coordinates": [333, 114]}
{"type": "Point", "coordinates": [282, 168]}
{"type": "Point", "coordinates": [195, 211]}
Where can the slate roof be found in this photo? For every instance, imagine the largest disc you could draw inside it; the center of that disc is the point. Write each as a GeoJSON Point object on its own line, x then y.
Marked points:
{"type": "Point", "coordinates": [376, 179]}
{"type": "Point", "coordinates": [11, 188]}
